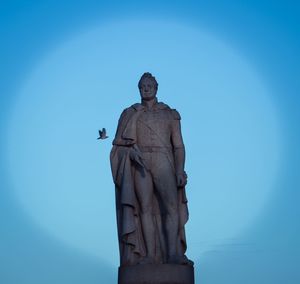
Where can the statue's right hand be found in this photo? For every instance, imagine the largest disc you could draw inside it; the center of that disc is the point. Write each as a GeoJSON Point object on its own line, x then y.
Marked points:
{"type": "Point", "coordinates": [136, 156]}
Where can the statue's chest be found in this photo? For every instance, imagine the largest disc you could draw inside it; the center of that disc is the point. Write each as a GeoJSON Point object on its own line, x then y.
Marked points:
{"type": "Point", "coordinates": [158, 120]}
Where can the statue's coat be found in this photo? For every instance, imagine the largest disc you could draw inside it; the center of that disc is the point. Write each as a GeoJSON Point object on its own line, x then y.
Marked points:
{"type": "Point", "coordinates": [131, 241]}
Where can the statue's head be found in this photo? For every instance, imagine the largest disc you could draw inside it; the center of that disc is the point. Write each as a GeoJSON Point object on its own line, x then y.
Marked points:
{"type": "Point", "coordinates": [148, 86]}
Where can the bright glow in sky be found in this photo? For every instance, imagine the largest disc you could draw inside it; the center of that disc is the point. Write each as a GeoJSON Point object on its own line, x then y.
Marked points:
{"type": "Point", "coordinates": [61, 172]}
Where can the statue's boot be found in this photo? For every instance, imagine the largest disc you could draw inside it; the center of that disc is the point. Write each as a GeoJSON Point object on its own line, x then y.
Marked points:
{"type": "Point", "coordinates": [180, 259]}
{"type": "Point", "coordinates": [147, 260]}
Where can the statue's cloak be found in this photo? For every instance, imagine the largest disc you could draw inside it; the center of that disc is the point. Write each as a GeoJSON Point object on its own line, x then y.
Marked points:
{"type": "Point", "coordinates": [131, 241]}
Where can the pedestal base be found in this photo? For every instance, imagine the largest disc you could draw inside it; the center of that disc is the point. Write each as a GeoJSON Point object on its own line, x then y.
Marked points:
{"type": "Point", "coordinates": [156, 274]}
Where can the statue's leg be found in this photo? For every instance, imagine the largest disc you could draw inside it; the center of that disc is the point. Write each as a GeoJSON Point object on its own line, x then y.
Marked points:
{"type": "Point", "coordinates": [165, 184]}
{"type": "Point", "coordinates": [144, 191]}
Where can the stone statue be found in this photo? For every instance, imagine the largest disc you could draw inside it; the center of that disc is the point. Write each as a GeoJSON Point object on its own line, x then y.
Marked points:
{"type": "Point", "coordinates": [147, 161]}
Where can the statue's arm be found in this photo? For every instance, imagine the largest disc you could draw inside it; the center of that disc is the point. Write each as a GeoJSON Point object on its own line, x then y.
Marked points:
{"type": "Point", "coordinates": [123, 120]}
{"type": "Point", "coordinates": [120, 126]}
{"type": "Point", "coordinates": [178, 149]}
{"type": "Point", "coordinates": [127, 145]}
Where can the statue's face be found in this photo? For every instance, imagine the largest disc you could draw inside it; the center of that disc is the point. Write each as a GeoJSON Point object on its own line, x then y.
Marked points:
{"type": "Point", "coordinates": [148, 89]}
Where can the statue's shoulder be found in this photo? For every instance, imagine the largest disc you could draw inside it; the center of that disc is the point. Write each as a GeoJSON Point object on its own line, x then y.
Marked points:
{"type": "Point", "coordinates": [136, 107]}
{"type": "Point", "coordinates": [161, 105]}
{"type": "Point", "coordinates": [129, 112]}
{"type": "Point", "coordinates": [132, 109]}
{"type": "Point", "coordinates": [126, 113]}
{"type": "Point", "coordinates": [173, 112]}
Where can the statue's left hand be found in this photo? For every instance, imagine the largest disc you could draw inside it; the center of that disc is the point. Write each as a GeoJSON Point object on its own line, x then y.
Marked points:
{"type": "Point", "coordinates": [181, 179]}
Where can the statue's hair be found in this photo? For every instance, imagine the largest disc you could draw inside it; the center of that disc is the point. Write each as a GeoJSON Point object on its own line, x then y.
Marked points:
{"type": "Point", "coordinates": [148, 75]}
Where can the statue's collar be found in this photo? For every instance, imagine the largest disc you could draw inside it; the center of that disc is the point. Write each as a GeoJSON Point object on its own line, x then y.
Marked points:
{"type": "Point", "coordinates": [158, 105]}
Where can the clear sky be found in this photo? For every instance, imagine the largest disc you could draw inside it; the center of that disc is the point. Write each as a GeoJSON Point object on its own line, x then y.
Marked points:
{"type": "Point", "coordinates": [68, 69]}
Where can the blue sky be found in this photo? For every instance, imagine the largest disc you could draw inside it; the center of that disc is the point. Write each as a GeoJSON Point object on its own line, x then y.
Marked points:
{"type": "Point", "coordinates": [236, 66]}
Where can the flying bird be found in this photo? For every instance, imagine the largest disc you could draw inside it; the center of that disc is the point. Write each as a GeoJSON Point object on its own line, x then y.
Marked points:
{"type": "Point", "coordinates": [102, 134]}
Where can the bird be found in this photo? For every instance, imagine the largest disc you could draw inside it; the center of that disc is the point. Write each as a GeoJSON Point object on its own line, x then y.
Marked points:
{"type": "Point", "coordinates": [102, 134]}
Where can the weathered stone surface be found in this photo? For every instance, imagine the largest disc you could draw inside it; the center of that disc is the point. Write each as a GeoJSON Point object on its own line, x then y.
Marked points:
{"type": "Point", "coordinates": [156, 274]}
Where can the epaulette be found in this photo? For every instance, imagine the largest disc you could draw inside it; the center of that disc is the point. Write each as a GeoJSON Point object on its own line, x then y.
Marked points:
{"type": "Point", "coordinates": [175, 114]}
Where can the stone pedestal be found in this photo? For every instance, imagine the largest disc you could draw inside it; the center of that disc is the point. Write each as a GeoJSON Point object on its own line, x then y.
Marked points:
{"type": "Point", "coordinates": [156, 274]}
